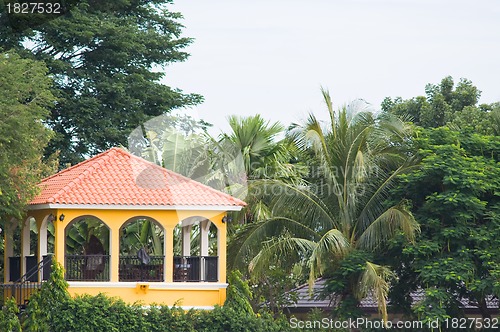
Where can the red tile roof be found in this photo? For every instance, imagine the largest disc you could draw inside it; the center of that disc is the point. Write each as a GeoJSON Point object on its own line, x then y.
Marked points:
{"type": "Point", "coordinates": [116, 177]}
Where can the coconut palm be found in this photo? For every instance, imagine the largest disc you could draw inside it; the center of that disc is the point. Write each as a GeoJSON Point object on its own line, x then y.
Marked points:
{"type": "Point", "coordinates": [353, 162]}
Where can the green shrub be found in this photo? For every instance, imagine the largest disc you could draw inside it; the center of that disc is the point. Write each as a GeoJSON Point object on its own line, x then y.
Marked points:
{"type": "Point", "coordinates": [9, 321]}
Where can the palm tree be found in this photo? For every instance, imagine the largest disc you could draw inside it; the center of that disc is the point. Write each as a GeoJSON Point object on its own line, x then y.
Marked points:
{"type": "Point", "coordinates": [341, 210]}
{"type": "Point", "coordinates": [264, 154]}
{"type": "Point", "coordinates": [254, 138]}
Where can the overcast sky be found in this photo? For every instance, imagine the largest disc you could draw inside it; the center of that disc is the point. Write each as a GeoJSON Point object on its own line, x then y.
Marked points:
{"type": "Point", "coordinates": [272, 56]}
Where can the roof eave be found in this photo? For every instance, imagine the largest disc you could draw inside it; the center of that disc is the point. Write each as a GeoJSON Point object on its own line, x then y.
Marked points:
{"type": "Point", "coordinates": [45, 206]}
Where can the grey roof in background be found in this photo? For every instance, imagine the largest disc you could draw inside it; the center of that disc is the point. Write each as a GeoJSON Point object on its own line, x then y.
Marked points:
{"type": "Point", "coordinates": [307, 300]}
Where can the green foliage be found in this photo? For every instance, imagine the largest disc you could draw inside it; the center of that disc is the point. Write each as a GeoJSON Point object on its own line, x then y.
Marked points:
{"type": "Point", "coordinates": [275, 289]}
{"type": "Point", "coordinates": [52, 309]}
{"type": "Point", "coordinates": [447, 104]}
{"type": "Point", "coordinates": [9, 321]}
{"type": "Point", "coordinates": [223, 319]}
{"type": "Point", "coordinates": [25, 100]}
{"type": "Point", "coordinates": [342, 279]}
{"type": "Point", "coordinates": [104, 57]}
{"type": "Point", "coordinates": [80, 232]}
{"type": "Point", "coordinates": [456, 199]}
{"type": "Point", "coordinates": [46, 304]}
{"type": "Point", "coordinates": [239, 294]}
{"type": "Point", "coordinates": [141, 233]}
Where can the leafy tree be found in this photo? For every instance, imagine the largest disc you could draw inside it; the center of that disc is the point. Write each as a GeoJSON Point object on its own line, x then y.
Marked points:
{"type": "Point", "coordinates": [455, 197]}
{"type": "Point", "coordinates": [45, 304]}
{"type": "Point", "coordinates": [447, 104]}
{"type": "Point", "coordinates": [25, 99]}
{"type": "Point", "coordinates": [353, 164]}
{"type": "Point", "coordinates": [105, 59]}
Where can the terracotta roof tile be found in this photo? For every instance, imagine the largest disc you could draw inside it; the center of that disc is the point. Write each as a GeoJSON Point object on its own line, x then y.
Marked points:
{"type": "Point", "coordinates": [120, 178]}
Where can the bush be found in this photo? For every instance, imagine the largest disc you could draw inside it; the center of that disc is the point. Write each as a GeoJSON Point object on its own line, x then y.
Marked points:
{"type": "Point", "coordinates": [9, 321]}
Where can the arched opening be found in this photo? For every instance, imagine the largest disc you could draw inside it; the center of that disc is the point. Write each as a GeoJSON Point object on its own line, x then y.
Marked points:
{"type": "Point", "coordinates": [141, 250]}
{"type": "Point", "coordinates": [87, 250]}
{"type": "Point", "coordinates": [195, 250]}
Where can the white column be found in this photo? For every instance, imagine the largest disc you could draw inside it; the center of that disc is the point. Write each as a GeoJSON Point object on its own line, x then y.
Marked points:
{"type": "Point", "coordinates": [42, 237]}
{"type": "Point", "coordinates": [25, 244]}
{"type": "Point", "coordinates": [186, 240]}
{"type": "Point", "coordinates": [204, 230]}
{"type": "Point", "coordinates": [9, 247]}
{"type": "Point", "coordinates": [42, 242]}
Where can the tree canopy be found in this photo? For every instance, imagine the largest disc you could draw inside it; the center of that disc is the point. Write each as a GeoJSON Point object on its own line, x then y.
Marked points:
{"type": "Point", "coordinates": [455, 197]}
{"type": "Point", "coordinates": [107, 60]}
{"type": "Point", "coordinates": [25, 101]}
{"type": "Point", "coordinates": [448, 104]}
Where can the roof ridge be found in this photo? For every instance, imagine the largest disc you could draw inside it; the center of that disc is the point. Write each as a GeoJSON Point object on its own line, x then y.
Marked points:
{"type": "Point", "coordinates": [80, 177]}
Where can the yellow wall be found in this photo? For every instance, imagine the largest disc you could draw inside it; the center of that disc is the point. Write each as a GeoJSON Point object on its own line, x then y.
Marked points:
{"type": "Point", "coordinates": [133, 292]}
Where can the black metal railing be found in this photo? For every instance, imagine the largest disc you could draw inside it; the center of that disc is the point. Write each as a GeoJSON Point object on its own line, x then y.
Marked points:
{"type": "Point", "coordinates": [26, 285]}
{"type": "Point", "coordinates": [31, 265]}
{"type": "Point", "coordinates": [131, 268]}
{"type": "Point", "coordinates": [87, 267]}
{"type": "Point", "coordinates": [196, 268]}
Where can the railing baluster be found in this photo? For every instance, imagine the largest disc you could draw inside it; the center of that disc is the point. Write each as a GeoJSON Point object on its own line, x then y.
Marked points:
{"type": "Point", "coordinates": [87, 267]}
{"type": "Point", "coordinates": [132, 269]}
{"type": "Point", "coordinates": [195, 268]}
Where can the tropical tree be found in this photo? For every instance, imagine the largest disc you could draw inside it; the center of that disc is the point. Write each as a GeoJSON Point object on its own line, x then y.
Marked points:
{"type": "Point", "coordinates": [254, 138]}
{"type": "Point", "coordinates": [448, 104]}
{"type": "Point", "coordinates": [104, 58]}
{"type": "Point", "coordinates": [455, 198]}
{"type": "Point", "coordinates": [25, 102]}
{"type": "Point", "coordinates": [340, 212]}
{"type": "Point", "coordinates": [265, 155]}
{"type": "Point", "coordinates": [141, 233]}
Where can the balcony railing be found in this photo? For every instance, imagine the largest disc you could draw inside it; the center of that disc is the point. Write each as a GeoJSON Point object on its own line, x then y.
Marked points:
{"type": "Point", "coordinates": [87, 267]}
{"type": "Point", "coordinates": [195, 268]}
{"type": "Point", "coordinates": [132, 269]}
{"type": "Point", "coordinates": [31, 263]}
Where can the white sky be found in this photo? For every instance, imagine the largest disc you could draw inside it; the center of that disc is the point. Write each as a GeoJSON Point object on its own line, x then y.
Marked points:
{"type": "Point", "coordinates": [271, 57]}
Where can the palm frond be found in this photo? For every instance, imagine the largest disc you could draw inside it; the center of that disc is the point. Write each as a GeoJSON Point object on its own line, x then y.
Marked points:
{"type": "Point", "coordinates": [393, 220]}
{"type": "Point", "coordinates": [375, 280]}
{"type": "Point", "coordinates": [332, 244]}
{"type": "Point", "coordinates": [278, 251]}
{"type": "Point", "coordinates": [373, 208]}
{"type": "Point", "coordinates": [248, 240]}
{"type": "Point", "coordinates": [301, 203]}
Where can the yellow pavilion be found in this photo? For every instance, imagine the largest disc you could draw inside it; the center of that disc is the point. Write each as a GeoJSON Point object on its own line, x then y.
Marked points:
{"type": "Point", "coordinates": [126, 227]}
